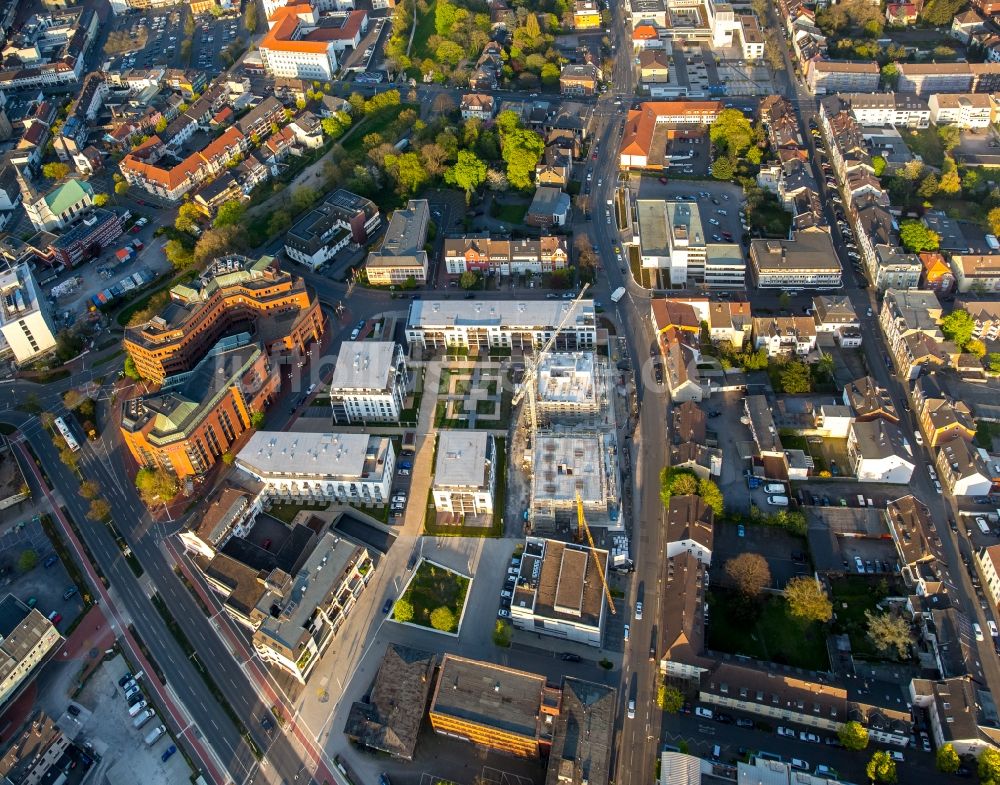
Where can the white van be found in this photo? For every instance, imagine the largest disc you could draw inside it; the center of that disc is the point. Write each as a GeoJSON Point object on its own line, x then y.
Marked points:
{"type": "Point", "coordinates": [983, 526]}
{"type": "Point", "coordinates": [774, 487]}
{"type": "Point", "coordinates": [992, 626]}
{"type": "Point", "coordinates": [778, 501]}
{"type": "Point", "coordinates": [978, 631]}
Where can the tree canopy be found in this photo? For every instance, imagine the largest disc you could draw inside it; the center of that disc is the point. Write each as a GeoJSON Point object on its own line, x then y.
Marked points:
{"type": "Point", "coordinates": [468, 173]}
{"type": "Point", "coordinates": [890, 633]}
{"type": "Point", "coordinates": [731, 132]}
{"type": "Point", "coordinates": [749, 573]}
{"type": "Point", "coordinates": [947, 759]}
{"type": "Point", "coordinates": [156, 485]}
{"type": "Point", "coordinates": [443, 619]}
{"type": "Point", "coordinates": [853, 735]}
{"type": "Point", "coordinates": [807, 599]}
{"type": "Point", "coordinates": [958, 327]}
{"type": "Point", "coordinates": [917, 238]}
{"type": "Point", "coordinates": [881, 768]}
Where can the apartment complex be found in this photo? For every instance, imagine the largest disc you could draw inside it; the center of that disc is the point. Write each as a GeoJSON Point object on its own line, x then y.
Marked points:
{"type": "Point", "coordinates": [484, 254]}
{"type": "Point", "coordinates": [27, 638]}
{"type": "Point", "coordinates": [25, 322]}
{"type": "Point", "coordinates": [484, 324]}
{"type": "Point", "coordinates": [369, 382]}
{"type": "Point", "coordinates": [964, 110]}
{"type": "Point", "coordinates": [300, 614]}
{"type": "Point", "coordinates": [876, 110]}
{"type": "Point", "coordinates": [197, 416]}
{"type": "Point", "coordinates": [570, 386]}
{"type": "Point", "coordinates": [929, 78]}
{"type": "Point", "coordinates": [297, 46]}
{"type": "Point", "coordinates": [842, 76]}
{"type": "Point", "coordinates": [465, 473]}
{"type": "Point", "coordinates": [494, 707]}
{"type": "Point", "coordinates": [340, 219]}
{"type": "Point", "coordinates": [232, 292]}
{"type": "Point", "coordinates": [807, 261]}
{"type": "Point", "coordinates": [559, 591]}
{"type": "Point", "coordinates": [344, 467]}
{"type": "Point", "coordinates": [402, 257]}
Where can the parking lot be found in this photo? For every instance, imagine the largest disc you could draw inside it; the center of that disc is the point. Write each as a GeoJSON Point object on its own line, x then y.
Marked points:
{"type": "Point", "coordinates": [109, 728]}
{"type": "Point", "coordinates": [158, 35]}
{"type": "Point", "coordinates": [718, 203]}
{"type": "Point", "coordinates": [786, 554]}
{"type": "Point", "coordinates": [46, 585]}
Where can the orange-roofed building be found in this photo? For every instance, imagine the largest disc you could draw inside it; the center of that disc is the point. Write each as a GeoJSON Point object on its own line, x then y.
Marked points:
{"type": "Point", "coordinates": [645, 130]}
{"type": "Point", "coordinates": [288, 50]}
{"type": "Point", "coordinates": [646, 36]}
{"type": "Point", "coordinates": [937, 275]}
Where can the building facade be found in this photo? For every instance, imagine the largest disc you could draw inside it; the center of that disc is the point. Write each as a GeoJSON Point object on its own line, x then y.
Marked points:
{"type": "Point", "coordinates": [25, 322]}
{"type": "Point", "coordinates": [369, 382]}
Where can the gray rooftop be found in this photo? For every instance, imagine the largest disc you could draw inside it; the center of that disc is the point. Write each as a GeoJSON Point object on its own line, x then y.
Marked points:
{"type": "Point", "coordinates": [499, 313]}
{"type": "Point", "coordinates": [363, 365]}
{"type": "Point", "coordinates": [462, 458]}
{"type": "Point", "coordinates": [348, 456]}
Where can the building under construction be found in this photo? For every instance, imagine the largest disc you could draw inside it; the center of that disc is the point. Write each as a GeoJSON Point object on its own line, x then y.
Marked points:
{"type": "Point", "coordinates": [571, 386]}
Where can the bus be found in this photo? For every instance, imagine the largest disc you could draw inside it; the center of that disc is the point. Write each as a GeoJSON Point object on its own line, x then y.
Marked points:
{"type": "Point", "coordinates": [67, 434]}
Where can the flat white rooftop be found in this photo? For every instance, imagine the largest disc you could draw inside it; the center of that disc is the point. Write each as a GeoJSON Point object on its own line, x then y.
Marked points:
{"type": "Point", "coordinates": [363, 365]}
{"type": "Point", "coordinates": [346, 455]}
{"type": "Point", "coordinates": [461, 459]}
{"type": "Point", "coordinates": [498, 313]}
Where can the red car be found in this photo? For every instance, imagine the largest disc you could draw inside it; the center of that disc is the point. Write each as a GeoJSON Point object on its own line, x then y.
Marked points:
{"type": "Point", "coordinates": [594, 156]}
{"type": "Point", "coordinates": [663, 180]}
{"type": "Point", "coordinates": [55, 618]}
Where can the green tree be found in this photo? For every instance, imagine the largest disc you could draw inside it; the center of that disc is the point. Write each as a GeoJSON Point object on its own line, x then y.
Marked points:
{"type": "Point", "coordinates": [89, 489]}
{"type": "Point", "coordinates": [257, 419]}
{"type": "Point", "coordinates": [468, 280]}
{"type": "Point", "coordinates": [187, 218]}
{"type": "Point", "coordinates": [993, 362]}
{"type": "Point", "coordinates": [161, 125]}
{"type": "Point", "coordinates": [795, 378]}
{"type": "Point", "coordinates": [711, 495]}
{"type": "Point", "coordinates": [685, 485]}
{"type": "Point", "coordinates": [731, 133]}
{"type": "Point", "coordinates": [853, 735]}
{"type": "Point", "coordinates": [976, 347]}
{"type": "Point", "coordinates": [890, 75]}
{"type": "Point", "coordinates": [550, 74]}
{"type": "Point", "coordinates": [443, 619]}
{"type": "Point", "coordinates": [888, 632]}
{"type": "Point", "coordinates": [669, 699]}
{"type": "Point", "coordinates": [121, 187]}
{"type": "Point", "coordinates": [723, 168]}
{"type": "Point", "coordinates": [807, 599]}
{"type": "Point", "coordinates": [929, 187]}
{"type": "Point", "coordinates": [402, 611]}
{"type": "Point", "coordinates": [958, 327]}
{"type": "Point", "coordinates": [55, 170]}
{"type": "Point", "coordinates": [178, 254]}
{"type": "Point", "coordinates": [989, 766]}
{"type": "Point", "coordinates": [250, 17]}
{"type": "Point", "coordinates": [947, 759]}
{"type": "Point", "coordinates": [408, 170]}
{"type": "Point", "coordinates": [130, 370]}
{"type": "Point", "coordinates": [449, 52]}
{"type": "Point", "coordinates": [749, 573]}
{"type": "Point", "coordinates": [279, 223]}
{"type": "Point", "coordinates": [229, 213]}
{"type": "Point", "coordinates": [100, 199]}
{"type": "Point", "coordinates": [501, 634]}
{"type": "Point", "coordinates": [881, 768]}
{"type": "Point", "coordinates": [228, 458]}
{"type": "Point", "coordinates": [521, 149]}
{"type": "Point", "coordinates": [447, 16]}
{"type": "Point", "coordinates": [950, 136]}
{"type": "Point", "coordinates": [878, 164]}
{"type": "Point", "coordinates": [98, 510]}
{"type": "Point", "coordinates": [156, 486]}
{"type": "Point", "coordinates": [916, 237]}
{"type": "Point", "coordinates": [468, 173]}
{"type": "Point", "coordinates": [27, 561]}
{"type": "Point", "coordinates": [336, 125]}
{"type": "Point", "coordinates": [993, 220]}
{"type": "Point", "coordinates": [950, 182]}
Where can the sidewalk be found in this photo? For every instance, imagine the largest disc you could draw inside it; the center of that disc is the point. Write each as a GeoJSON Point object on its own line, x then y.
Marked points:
{"type": "Point", "coordinates": [185, 728]}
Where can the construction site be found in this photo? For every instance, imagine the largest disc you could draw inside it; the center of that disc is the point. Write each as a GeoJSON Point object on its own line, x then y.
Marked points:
{"type": "Point", "coordinates": [567, 440]}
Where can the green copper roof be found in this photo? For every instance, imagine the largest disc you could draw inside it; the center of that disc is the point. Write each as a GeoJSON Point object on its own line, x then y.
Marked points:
{"type": "Point", "coordinates": [62, 197]}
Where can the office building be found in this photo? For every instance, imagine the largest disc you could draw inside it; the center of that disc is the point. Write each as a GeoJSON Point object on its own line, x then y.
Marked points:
{"type": "Point", "coordinates": [807, 261]}
{"type": "Point", "coordinates": [401, 257]}
{"type": "Point", "coordinates": [298, 46]}
{"type": "Point", "coordinates": [25, 322]}
{"type": "Point", "coordinates": [340, 219]}
{"type": "Point", "coordinates": [369, 382]}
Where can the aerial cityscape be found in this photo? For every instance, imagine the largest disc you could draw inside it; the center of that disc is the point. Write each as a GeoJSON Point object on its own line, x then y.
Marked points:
{"type": "Point", "coordinates": [499, 392]}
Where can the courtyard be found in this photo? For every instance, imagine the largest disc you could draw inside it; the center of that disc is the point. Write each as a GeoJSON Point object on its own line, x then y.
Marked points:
{"type": "Point", "coordinates": [434, 597]}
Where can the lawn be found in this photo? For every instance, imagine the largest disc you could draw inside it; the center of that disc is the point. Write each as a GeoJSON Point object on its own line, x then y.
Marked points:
{"type": "Point", "coordinates": [852, 596]}
{"type": "Point", "coordinates": [435, 587]}
{"type": "Point", "coordinates": [286, 512]}
{"type": "Point", "coordinates": [509, 213]}
{"type": "Point", "coordinates": [775, 636]}
{"type": "Point", "coordinates": [926, 143]}
{"type": "Point", "coordinates": [425, 29]}
{"type": "Point", "coordinates": [771, 219]}
{"type": "Point", "coordinates": [375, 123]}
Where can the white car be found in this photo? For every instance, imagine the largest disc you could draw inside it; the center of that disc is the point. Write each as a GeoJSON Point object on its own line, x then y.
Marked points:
{"type": "Point", "coordinates": [783, 731]}
{"type": "Point", "coordinates": [631, 709]}
{"type": "Point", "coordinates": [638, 611]}
{"type": "Point", "coordinates": [801, 765]}
{"type": "Point", "coordinates": [811, 737]}
{"type": "Point", "coordinates": [703, 713]}
{"type": "Point", "coordinates": [918, 437]}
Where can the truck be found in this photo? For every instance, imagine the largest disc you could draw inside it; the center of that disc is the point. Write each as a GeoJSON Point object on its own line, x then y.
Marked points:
{"type": "Point", "coordinates": [409, 443]}
{"type": "Point", "coordinates": [155, 734]}
{"type": "Point", "coordinates": [617, 294]}
{"type": "Point", "coordinates": [143, 718]}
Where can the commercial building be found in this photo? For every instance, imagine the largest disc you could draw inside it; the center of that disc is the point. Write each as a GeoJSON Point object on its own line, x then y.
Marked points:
{"type": "Point", "coordinates": [647, 129]}
{"type": "Point", "coordinates": [389, 719]}
{"type": "Point", "coordinates": [27, 639]}
{"type": "Point", "coordinates": [807, 261]}
{"type": "Point", "coordinates": [672, 239]}
{"type": "Point", "coordinates": [297, 46]}
{"type": "Point", "coordinates": [484, 324]}
{"type": "Point", "coordinates": [568, 465]}
{"type": "Point", "coordinates": [402, 257]}
{"type": "Point", "coordinates": [343, 467]}
{"type": "Point", "coordinates": [465, 473]}
{"type": "Point", "coordinates": [494, 707]}
{"type": "Point", "coordinates": [586, 15]}
{"type": "Point", "coordinates": [559, 591]}
{"type": "Point", "coordinates": [25, 321]}
{"type": "Point", "coordinates": [340, 219]}
{"type": "Point", "coordinates": [97, 229]}
{"type": "Point", "coordinates": [229, 512]}
{"type": "Point", "coordinates": [964, 110]}
{"type": "Point", "coordinates": [491, 256]}
{"type": "Point", "coordinates": [300, 614]}
{"type": "Point", "coordinates": [579, 79]}
{"type": "Point", "coordinates": [197, 416]}
{"type": "Point", "coordinates": [571, 385]}
{"type": "Point", "coordinates": [369, 382]}
{"type": "Point", "coordinates": [232, 292]}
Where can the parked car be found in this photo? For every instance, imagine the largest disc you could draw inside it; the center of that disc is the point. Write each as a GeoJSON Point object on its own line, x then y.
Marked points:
{"type": "Point", "coordinates": [168, 752]}
{"type": "Point", "coordinates": [783, 731]}
{"type": "Point", "coordinates": [810, 737]}
{"type": "Point", "coordinates": [703, 713]}
{"type": "Point", "coordinates": [69, 592]}
{"type": "Point", "coordinates": [387, 605]}
{"type": "Point", "coordinates": [568, 656]}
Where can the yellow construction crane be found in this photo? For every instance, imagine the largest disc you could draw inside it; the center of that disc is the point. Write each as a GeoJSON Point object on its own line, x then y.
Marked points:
{"type": "Point", "coordinates": [582, 524]}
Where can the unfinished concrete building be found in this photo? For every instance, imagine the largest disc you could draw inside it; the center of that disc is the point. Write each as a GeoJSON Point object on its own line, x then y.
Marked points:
{"type": "Point", "coordinates": [566, 464]}
{"type": "Point", "coordinates": [571, 386]}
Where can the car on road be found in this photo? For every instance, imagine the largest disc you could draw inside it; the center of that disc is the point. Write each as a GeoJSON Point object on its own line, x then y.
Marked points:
{"type": "Point", "coordinates": [703, 713]}
{"type": "Point", "coordinates": [638, 611]}
{"type": "Point", "coordinates": [978, 631]}
{"type": "Point", "coordinates": [626, 632]}
{"type": "Point", "coordinates": [918, 438]}
{"type": "Point", "coordinates": [713, 221]}
{"type": "Point", "coordinates": [801, 765]}
{"type": "Point", "coordinates": [69, 592]}
{"type": "Point", "coordinates": [387, 605]}
{"type": "Point", "coordinates": [568, 656]}
{"type": "Point", "coordinates": [631, 709]}
{"type": "Point", "coordinates": [741, 531]}
{"type": "Point", "coordinates": [810, 737]}
{"type": "Point", "coordinates": [783, 731]}
{"type": "Point", "coordinates": [503, 613]}
{"type": "Point", "coordinates": [743, 722]}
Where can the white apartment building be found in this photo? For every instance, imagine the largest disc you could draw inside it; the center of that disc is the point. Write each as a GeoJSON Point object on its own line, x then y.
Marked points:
{"type": "Point", "coordinates": [877, 110]}
{"type": "Point", "coordinates": [343, 467]}
{"type": "Point", "coordinates": [570, 385]}
{"type": "Point", "coordinates": [27, 637]}
{"type": "Point", "coordinates": [465, 473]}
{"type": "Point", "coordinates": [989, 562]}
{"type": "Point", "coordinates": [369, 382]}
{"type": "Point", "coordinates": [671, 238]}
{"type": "Point", "coordinates": [402, 256]}
{"type": "Point", "coordinates": [964, 110]}
{"type": "Point", "coordinates": [806, 261]}
{"type": "Point", "coordinates": [25, 321]}
{"type": "Point", "coordinates": [478, 325]}
{"type": "Point", "coordinates": [287, 51]}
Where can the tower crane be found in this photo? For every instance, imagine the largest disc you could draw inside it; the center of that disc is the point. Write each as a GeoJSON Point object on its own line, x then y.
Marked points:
{"type": "Point", "coordinates": [582, 524]}
{"type": "Point", "coordinates": [531, 367]}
